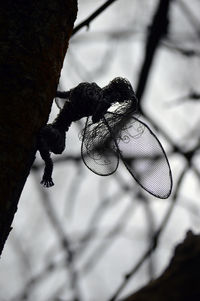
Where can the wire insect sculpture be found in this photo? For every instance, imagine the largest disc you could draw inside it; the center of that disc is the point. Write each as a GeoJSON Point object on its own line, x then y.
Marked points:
{"type": "Point", "coordinates": [112, 131]}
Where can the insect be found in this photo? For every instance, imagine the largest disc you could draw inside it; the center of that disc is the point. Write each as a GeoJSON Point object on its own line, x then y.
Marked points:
{"type": "Point", "coordinates": [112, 131]}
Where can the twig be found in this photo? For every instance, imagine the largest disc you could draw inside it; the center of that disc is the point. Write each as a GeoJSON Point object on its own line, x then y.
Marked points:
{"type": "Point", "coordinates": [63, 241]}
{"type": "Point", "coordinates": [191, 17]}
{"type": "Point", "coordinates": [154, 242]}
{"type": "Point", "coordinates": [157, 31]}
{"type": "Point", "coordinates": [92, 16]}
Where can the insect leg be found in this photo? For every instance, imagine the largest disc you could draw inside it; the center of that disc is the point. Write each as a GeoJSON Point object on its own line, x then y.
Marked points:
{"type": "Point", "coordinates": [44, 150]}
{"type": "Point", "coordinates": [47, 176]}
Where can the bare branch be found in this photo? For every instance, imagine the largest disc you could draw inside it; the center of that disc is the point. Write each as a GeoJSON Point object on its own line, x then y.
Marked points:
{"type": "Point", "coordinates": [92, 16]}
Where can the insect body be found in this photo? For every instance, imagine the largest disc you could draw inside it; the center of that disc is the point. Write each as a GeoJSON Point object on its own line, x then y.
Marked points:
{"type": "Point", "coordinates": [112, 132]}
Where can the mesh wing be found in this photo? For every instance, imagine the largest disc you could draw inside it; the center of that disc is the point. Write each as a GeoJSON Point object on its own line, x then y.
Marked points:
{"type": "Point", "coordinates": [143, 156]}
{"type": "Point", "coordinates": [98, 150]}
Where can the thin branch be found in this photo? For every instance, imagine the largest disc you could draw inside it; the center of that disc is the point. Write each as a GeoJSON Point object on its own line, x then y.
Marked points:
{"type": "Point", "coordinates": [97, 12]}
{"type": "Point", "coordinates": [193, 96]}
{"type": "Point", "coordinates": [157, 31]}
{"type": "Point", "coordinates": [154, 242]}
{"type": "Point", "coordinates": [64, 242]}
{"type": "Point", "coordinates": [190, 16]}
{"type": "Point", "coordinates": [186, 51]}
{"type": "Point", "coordinates": [109, 239]}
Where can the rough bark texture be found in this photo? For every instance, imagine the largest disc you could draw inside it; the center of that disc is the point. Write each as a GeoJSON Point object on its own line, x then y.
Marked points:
{"type": "Point", "coordinates": [33, 41]}
{"type": "Point", "coordinates": [181, 280]}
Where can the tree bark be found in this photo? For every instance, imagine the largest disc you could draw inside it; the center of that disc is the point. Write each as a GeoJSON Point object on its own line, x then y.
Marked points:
{"type": "Point", "coordinates": [34, 38]}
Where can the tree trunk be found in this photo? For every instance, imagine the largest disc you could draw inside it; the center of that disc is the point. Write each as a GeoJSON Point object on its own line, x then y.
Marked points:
{"type": "Point", "coordinates": [180, 281]}
{"type": "Point", "coordinates": [33, 41]}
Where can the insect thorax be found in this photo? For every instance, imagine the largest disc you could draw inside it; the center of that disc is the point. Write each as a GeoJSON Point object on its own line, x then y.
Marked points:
{"type": "Point", "coordinates": [85, 99]}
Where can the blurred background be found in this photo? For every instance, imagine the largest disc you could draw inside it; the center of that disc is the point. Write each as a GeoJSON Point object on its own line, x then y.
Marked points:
{"type": "Point", "coordinates": [79, 239]}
